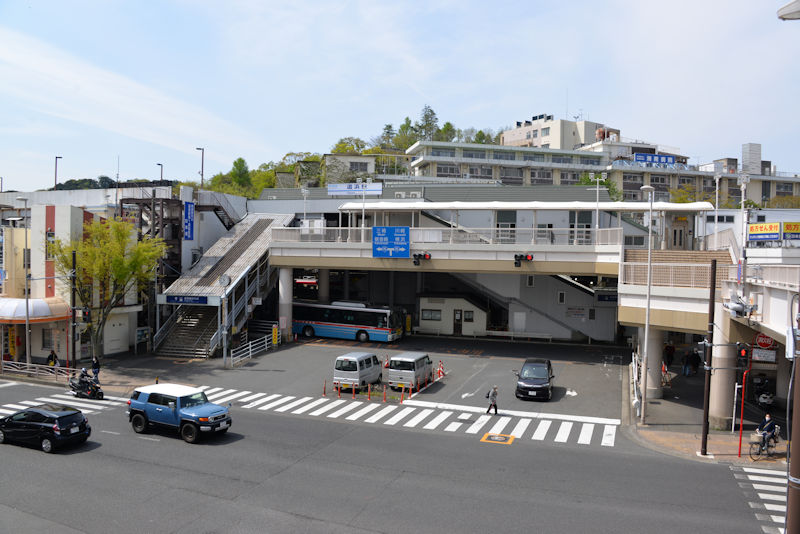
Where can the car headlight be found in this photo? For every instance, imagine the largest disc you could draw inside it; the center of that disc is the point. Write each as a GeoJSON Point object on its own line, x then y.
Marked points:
{"type": "Point", "coordinates": [521, 384]}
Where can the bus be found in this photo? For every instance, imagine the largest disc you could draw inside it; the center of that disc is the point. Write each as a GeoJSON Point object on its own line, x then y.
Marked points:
{"type": "Point", "coordinates": [347, 320]}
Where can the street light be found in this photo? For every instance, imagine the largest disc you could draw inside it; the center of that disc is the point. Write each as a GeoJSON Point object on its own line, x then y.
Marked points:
{"type": "Point", "coordinates": [202, 163]}
{"type": "Point", "coordinates": [304, 191]}
{"type": "Point", "coordinates": [26, 264]}
{"type": "Point", "coordinates": [649, 189]}
{"type": "Point", "coordinates": [56, 178]}
{"type": "Point", "coordinates": [162, 170]}
{"type": "Point", "coordinates": [716, 210]}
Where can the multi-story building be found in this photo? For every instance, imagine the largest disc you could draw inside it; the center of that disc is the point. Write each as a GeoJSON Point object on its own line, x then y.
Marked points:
{"type": "Point", "coordinates": [544, 131]}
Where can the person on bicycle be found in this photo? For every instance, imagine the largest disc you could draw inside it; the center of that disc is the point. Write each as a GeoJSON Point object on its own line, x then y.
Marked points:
{"type": "Point", "coordinates": [767, 429]}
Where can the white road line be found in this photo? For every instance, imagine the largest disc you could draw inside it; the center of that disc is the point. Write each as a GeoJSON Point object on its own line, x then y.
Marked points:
{"type": "Point", "coordinates": [393, 420]}
{"type": "Point", "coordinates": [109, 432]}
{"type": "Point", "coordinates": [71, 403]}
{"type": "Point", "coordinates": [14, 406]}
{"type": "Point", "coordinates": [120, 399]}
{"type": "Point", "coordinates": [585, 437]}
{"type": "Point", "coordinates": [478, 424]}
{"type": "Point", "coordinates": [276, 403]}
{"type": "Point", "coordinates": [148, 439]}
{"type": "Point", "coordinates": [251, 397]}
{"type": "Point", "coordinates": [343, 410]}
{"type": "Point", "coordinates": [764, 471]}
{"type": "Point", "coordinates": [452, 427]}
{"type": "Point", "coordinates": [778, 518]}
{"type": "Point", "coordinates": [90, 401]}
{"type": "Point", "coordinates": [773, 480]}
{"type": "Point", "coordinates": [609, 435]}
{"type": "Point", "coordinates": [6, 412]}
{"type": "Point", "coordinates": [231, 397]}
{"type": "Point", "coordinates": [6, 384]}
{"type": "Point", "coordinates": [775, 507]}
{"type": "Point", "coordinates": [219, 394]}
{"type": "Point", "coordinates": [261, 401]}
{"type": "Point", "coordinates": [463, 416]}
{"type": "Point", "coordinates": [31, 403]}
{"type": "Point", "coordinates": [363, 411]}
{"type": "Point", "coordinates": [327, 407]}
{"type": "Point", "coordinates": [563, 432]}
{"type": "Point", "coordinates": [212, 390]}
{"type": "Point", "coordinates": [310, 405]}
{"type": "Point", "coordinates": [438, 420]}
{"type": "Point", "coordinates": [500, 425]}
{"type": "Point", "coordinates": [294, 404]}
{"type": "Point", "coordinates": [521, 427]}
{"type": "Point", "coordinates": [768, 487]}
{"type": "Point", "coordinates": [204, 387]}
{"type": "Point", "coordinates": [541, 430]}
{"type": "Point", "coordinates": [378, 416]}
{"type": "Point", "coordinates": [417, 419]}
{"type": "Point", "coordinates": [771, 497]}
{"type": "Point", "coordinates": [515, 413]}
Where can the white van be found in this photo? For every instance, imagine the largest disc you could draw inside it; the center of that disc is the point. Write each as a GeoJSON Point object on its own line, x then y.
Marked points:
{"type": "Point", "coordinates": [408, 368]}
{"type": "Point", "coordinates": [357, 369]}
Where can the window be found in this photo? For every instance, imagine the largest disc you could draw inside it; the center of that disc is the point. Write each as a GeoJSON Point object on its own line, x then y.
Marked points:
{"type": "Point", "coordinates": [784, 189]}
{"type": "Point", "coordinates": [503, 155]}
{"type": "Point", "coordinates": [545, 132]}
{"type": "Point", "coordinates": [35, 417]}
{"type": "Point", "coordinates": [26, 258]}
{"type": "Point", "coordinates": [729, 218]}
{"type": "Point", "coordinates": [658, 179]}
{"type": "Point", "coordinates": [358, 166]}
{"type": "Point", "coordinates": [51, 238]}
{"type": "Point", "coordinates": [547, 145]}
{"type": "Point", "coordinates": [591, 314]}
{"type": "Point", "coordinates": [562, 159]}
{"type": "Point", "coordinates": [569, 178]}
{"type": "Point", "coordinates": [636, 179]}
{"type": "Point", "coordinates": [533, 157]}
{"type": "Point", "coordinates": [447, 171]}
{"type": "Point", "coordinates": [527, 135]}
{"type": "Point", "coordinates": [510, 175]}
{"type": "Point", "coordinates": [542, 177]}
{"type": "Point", "coordinates": [475, 154]}
{"type": "Point", "coordinates": [590, 161]}
{"type": "Point", "coordinates": [759, 218]}
{"type": "Point", "coordinates": [631, 195]}
{"type": "Point", "coordinates": [535, 134]}
{"type": "Point", "coordinates": [47, 338]}
{"type": "Point", "coordinates": [469, 316]}
{"type": "Point", "coordinates": [480, 171]}
{"type": "Point", "coordinates": [431, 315]}
{"type": "Point", "coordinates": [375, 360]}
{"type": "Point", "coordinates": [634, 240]}
{"type": "Point", "coordinates": [562, 297]}
{"type": "Point", "coordinates": [366, 363]}
{"type": "Point", "coordinates": [446, 152]}
{"type": "Point", "coordinates": [685, 180]}
{"type": "Point", "coordinates": [530, 281]}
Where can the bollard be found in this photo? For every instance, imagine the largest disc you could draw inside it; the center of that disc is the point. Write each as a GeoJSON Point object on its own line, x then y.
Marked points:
{"type": "Point", "coordinates": [384, 393]}
{"type": "Point", "coordinates": [354, 390]}
{"type": "Point", "coordinates": [369, 391]}
{"type": "Point", "coordinates": [339, 390]}
{"type": "Point", "coordinates": [417, 385]}
{"type": "Point", "coordinates": [426, 381]}
{"type": "Point", "coordinates": [402, 392]}
{"type": "Point", "coordinates": [324, 384]}
{"type": "Point", "coordinates": [156, 380]}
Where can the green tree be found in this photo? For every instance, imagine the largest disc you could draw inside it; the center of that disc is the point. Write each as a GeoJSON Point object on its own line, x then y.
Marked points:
{"type": "Point", "coordinates": [613, 192]}
{"type": "Point", "coordinates": [240, 174]}
{"type": "Point", "coordinates": [446, 133]}
{"type": "Point", "coordinates": [428, 124]}
{"type": "Point", "coordinates": [406, 135]}
{"type": "Point", "coordinates": [104, 182]}
{"type": "Point", "coordinates": [349, 145]}
{"type": "Point", "coordinates": [387, 135]}
{"type": "Point", "coordinates": [689, 193]}
{"type": "Point", "coordinates": [788, 202]}
{"type": "Point", "coordinates": [110, 263]}
{"type": "Point", "coordinates": [480, 138]}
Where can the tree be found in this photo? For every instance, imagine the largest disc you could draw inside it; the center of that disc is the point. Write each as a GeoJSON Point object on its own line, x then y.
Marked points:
{"type": "Point", "coordinates": [480, 138]}
{"type": "Point", "coordinates": [613, 192]}
{"type": "Point", "coordinates": [406, 135]}
{"type": "Point", "coordinates": [349, 145]}
{"type": "Point", "coordinates": [105, 182]}
{"type": "Point", "coordinates": [110, 263]}
{"type": "Point", "coordinates": [689, 193]}
{"type": "Point", "coordinates": [788, 202]}
{"type": "Point", "coordinates": [387, 135]}
{"type": "Point", "coordinates": [428, 124]}
{"type": "Point", "coordinates": [446, 133]}
{"type": "Point", "coordinates": [240, 174]}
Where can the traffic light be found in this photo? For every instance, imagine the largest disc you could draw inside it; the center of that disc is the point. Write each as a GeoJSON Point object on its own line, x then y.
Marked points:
{"type": "Point", "coordinates": [519, 258]}
{"type": "Point", "coordinates": [423, 256]}
{"type": "Point", "coordinates": [86, 315]}
{"type": "Point", "coordinates": [741, 355]}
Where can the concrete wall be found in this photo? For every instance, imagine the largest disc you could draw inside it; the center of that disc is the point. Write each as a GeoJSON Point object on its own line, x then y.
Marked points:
{"type": "Point", "coordinates": [447, 306]}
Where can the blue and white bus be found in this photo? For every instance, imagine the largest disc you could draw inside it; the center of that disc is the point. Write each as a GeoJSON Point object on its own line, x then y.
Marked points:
{"type": "Point", "coordinates": [347, 320]}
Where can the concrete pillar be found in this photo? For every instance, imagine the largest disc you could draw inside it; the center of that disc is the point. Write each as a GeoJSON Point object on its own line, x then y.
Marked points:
{"type": "Point", "coordinates": [324, 285]}
{"type": "Point", "coordinates": [723, 375]}
{"type": "Point", "coordinates": [654, 357]}
{"type": "Point", "coordinates": [664, 229]}
{"type": "Point", "coordinates": [285, 289]}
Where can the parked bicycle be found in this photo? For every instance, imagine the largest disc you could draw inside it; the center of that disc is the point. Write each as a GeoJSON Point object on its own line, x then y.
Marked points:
{"type": "Point", "coordinates": [757, 452]}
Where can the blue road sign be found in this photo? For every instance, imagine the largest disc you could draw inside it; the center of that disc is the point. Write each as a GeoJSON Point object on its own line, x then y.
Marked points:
{"type": "Point", "coordinates": [654, 158]}
{"type": "Point", "coordinates": [188, 220]}
{"type": "Point", "coordinates": [186, 299]}
{"type": "Point", "coordinates": [391, 242]}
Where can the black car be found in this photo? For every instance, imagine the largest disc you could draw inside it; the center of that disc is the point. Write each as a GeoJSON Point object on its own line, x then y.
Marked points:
{"type": "Point", "coordinates": [49, 426]}
{"type": "Point", "coordinates": [535, 380]}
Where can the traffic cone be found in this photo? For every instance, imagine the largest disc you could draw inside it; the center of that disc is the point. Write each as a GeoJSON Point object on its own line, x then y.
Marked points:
{"type": "Point", "coordinates": [402, 392]}
{"type": "Point", "coordinates": [354, 392]}
{"type": "Point", "coordinates": [324, 385]}
{"type": "Point", "coordinates": [339, 390]}
{"type": "Point", "coordinates": [384, 393]}
{"type": "Point", "coordinates": [369, 392]}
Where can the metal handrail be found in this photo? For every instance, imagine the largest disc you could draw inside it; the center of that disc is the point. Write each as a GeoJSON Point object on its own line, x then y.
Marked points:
{"type": "Point", "coordinates": [167, 326]}
{"type": "Point", "coordinates": [253, 348]}
{"type": "Point", "coordinates": [36, 370]}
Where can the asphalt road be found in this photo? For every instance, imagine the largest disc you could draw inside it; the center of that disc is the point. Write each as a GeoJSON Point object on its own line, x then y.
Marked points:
{"type": "Point", "coordinates": [284, 472]}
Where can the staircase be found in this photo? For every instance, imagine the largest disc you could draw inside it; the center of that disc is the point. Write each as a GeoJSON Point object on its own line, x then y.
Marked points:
{"type": "Point", "coordinates": [723, 257]}
{"type": "Point", "coordinates": [191, 334]}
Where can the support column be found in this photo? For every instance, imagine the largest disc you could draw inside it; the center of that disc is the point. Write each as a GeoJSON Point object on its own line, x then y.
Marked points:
{"type": "Point", "coordinates": [285, 296]}
{"type": "Point", "coordinates": [346, 285]}
{"type": "Point", "coordinates": [655, 354]}
{"type": "Point", "coordinates": [324, 286]}
{"type": "Point", "coordinates": [723, 376]}
{"type": "Point", "coordinates": [664, 238]}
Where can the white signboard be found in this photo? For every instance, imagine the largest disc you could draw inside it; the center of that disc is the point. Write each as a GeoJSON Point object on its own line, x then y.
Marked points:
{"type": "Point", "coordinates": [364, 188]}
{"type": "Point", "coordinates": [763, 355]}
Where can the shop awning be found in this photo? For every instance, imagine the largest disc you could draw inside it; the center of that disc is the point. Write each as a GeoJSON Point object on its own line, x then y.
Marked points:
{"type": "Point", "coordinates": [12, 310]}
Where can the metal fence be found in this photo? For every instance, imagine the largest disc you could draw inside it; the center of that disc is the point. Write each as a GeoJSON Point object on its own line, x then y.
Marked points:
{"type": "Point", "coordinates": [34, 370]}
{"type": "Point", "coordinates": [253, 348]}
{"type": "Point", "coordinates": [781, 276]}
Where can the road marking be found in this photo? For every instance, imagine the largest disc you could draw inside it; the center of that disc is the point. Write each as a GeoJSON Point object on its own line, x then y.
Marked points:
{"type": "Point", "coordinates": [6, 384]}
{"type": "Point", "coordinates": [251, 397]}
{"type": "Point", "coordinates": [47, 400]}
{"type": "Point", "coordinates": [276, 403]}
{"type": "Point", "coordinates": [515, 413]}
{"type": "Point", "coordinates": [109, 432]}
{"type": "Point", "coordinates": [609, 435]}
{"type": "Point", "coordinates": [452, 427]}
{"type": "Point", "coordinates": [14, 406]}
{"type": "Point", "coordinates": [378, 416]}
{"type": "Point", "coordinates": [90, 401]}
{"type": "Point", "coordinates": [120, 399]}
{"type": "Point", "coordinates": [464, 416]}
{"type": "Point", "coordinates": [148, 439]}
{"type": "Point", "coordinates": [327, 407]}
{"type": "Point", "coordinates": [362, 412]}
{"type": "Point", "coordinates": [343, 410]}
{"type": "Point", "coordinates": [212, 390]}
{"type": "Point", "coordinates": [563, 432]}
{"type": "Point", "coordinates": [219, 394]}
{"type": "Point", "coordinates": [764, 471]}
{"type": "Point", "coordinates": [756, 478]}
{"type": "Point", "coordinates": [438, 420]}
{"type": "Point", "coordinates": [585, 437]}
{"type": "Point", "coordinates": [393, 420]}
{"type": "Point", "coordinates": [417, 419]}
{"type": "Point", "coordinates": [261, 401]}
{"type": "Point", "coordinates": [310, 405]}
{"type": "Point", "coordinates": [500, 425]}
{"type": "Point", "coordinates": [478, 424]}
{"type": "Point", "coordinates": [775, 507]}
{"type": "Point", "coordinates": [767, 487]}
{"type": "Point", "coordinates": [6, 412]}
{"type": "Point", "coordinates": [231, 397]}
{"type": "Point", "coordinates": [541, 430]}
{"type": "Point", "coordinates": [771, 497]}
{"type": "Point", "coordinates": [295, 404]}
{"type": "Point", "coordinates": [522, 426]}
{"type": "Point", "coordinates": [31, 403]}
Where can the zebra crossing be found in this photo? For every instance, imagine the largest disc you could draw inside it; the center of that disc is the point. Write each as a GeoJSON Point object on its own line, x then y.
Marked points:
{"type": "Point", "coordinates": [87, 406]}
{"type": "Point", "coordinates": [766, 493]}
{"type": "Point", "coordinates": [413, 413]}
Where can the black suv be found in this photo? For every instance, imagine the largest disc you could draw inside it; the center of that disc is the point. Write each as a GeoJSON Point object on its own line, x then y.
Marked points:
{"type": "Point", "coordinates": [49, 426]}
{"type": "Point", "coordinates": [535, 380]}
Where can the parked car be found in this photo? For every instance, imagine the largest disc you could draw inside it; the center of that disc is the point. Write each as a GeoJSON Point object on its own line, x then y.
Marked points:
{"type": "Point", "coordinates": [356, 370]}
{"type": "Point", "coordinates": [409, 369]}
{"type": "Point", "coordinates": [535, 380]}
{"type": "Point", "coordinates": [179, 408]}
{"type": "Point", "coordinates": [49, 426]}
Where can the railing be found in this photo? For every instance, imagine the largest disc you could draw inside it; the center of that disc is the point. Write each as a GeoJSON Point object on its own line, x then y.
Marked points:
{"type": "Point", "coordinates": [34, 370]}
{"type": "Point", "coordinates": [691, 275]}
{"type": "Point", "coordinates": [724, 240]}
{"type": "Point", "coordinates": [254, 348]}
{"type": "Point", "coordinates": [166, 327]}
{"type": "Point", "coordinates": [219, 199]}
{"type": "Point", "coordinates": [473, 236]}
{"type": "Point", "coordinates": [780, 276]}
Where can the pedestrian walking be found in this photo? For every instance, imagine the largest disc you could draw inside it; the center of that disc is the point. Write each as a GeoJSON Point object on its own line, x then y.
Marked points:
{"type": "Point", "coordinates": [51, 358]}
{"type": "Point", "coordinates": [96, 368]}
{"type": "Point", "coordinates": [695, 361]}
{"type": "Point", "coordinates": [669, 353]}
{"type": "Point", "coordinates": [685, 361]}
{"type": "Point", "coordinates": [492, 396]}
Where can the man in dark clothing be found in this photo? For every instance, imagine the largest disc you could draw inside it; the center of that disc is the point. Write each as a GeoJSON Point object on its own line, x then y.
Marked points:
{"type": "Point", "coordinates": [767, 429]}
{"type": "Point", "coordinates": [695, 361]}
{"type": "Point", "coordinates": [96, 368]}
{"type": "Point", "coordinates": [669, 354]}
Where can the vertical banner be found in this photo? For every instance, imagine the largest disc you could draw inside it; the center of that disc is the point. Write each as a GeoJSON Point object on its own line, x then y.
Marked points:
{"type": "Point", "coordinates": [188, 221]}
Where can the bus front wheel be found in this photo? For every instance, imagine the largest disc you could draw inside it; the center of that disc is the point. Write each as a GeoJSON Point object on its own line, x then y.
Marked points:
{"type": "Point", "coordinates": [308, 331]}
{"type": "Point", "coordinates": [362, 337]}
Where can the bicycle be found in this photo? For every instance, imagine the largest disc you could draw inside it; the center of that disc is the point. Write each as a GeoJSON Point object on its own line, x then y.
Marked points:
{"type": "Point", "coordinates": [756, 451]}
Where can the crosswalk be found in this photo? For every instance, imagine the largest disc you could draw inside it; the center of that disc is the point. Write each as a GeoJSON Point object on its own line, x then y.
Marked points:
{"type": "Point", "coordinates": [413, 413]}
{"type": "Point", "coordinates": [87, 406]}
{"type": "Point", "coordinates": [766, 493]}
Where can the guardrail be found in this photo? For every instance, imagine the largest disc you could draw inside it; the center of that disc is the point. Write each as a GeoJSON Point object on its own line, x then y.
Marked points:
{"type": "Point", "coordinates": [254, 348]}
{"type": "Point", "coordinates": [690, 275]}
{"type": "Point", "coordinates": [472, 236]}
{"type": "Point", "coordinates": [780, 276]}
{"type": "Point", "coordinates": [35, 370]}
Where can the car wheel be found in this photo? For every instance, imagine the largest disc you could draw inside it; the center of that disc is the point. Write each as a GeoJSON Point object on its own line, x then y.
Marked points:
{"type": "Point", "coordinates": [139, 423]}
{"type": "Point", "coordinates": [189, 433]}
{"type": "Point", "coordinates": [2, 437]}
{"type": "Point", "coordinates": [47, 445]}
{"type": "Point", "coordinates": [308, 331]}
{"type": "Point", "coordinates": [362, 337]}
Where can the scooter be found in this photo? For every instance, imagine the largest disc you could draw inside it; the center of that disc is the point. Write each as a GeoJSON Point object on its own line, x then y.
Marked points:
{"type": "Point", "coordinates": [87, 389]}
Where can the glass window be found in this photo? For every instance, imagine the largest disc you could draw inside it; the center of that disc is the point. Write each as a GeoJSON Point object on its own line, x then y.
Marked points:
{"type": "Point", "coordinates": [784, 189]}
{"type": "Point", "coordinates": [562, 159]}
{"type": "Point", "coordinates": [431, 315]}
{"type": "Point", "coordinates": [545, 132]}
{"type": "Point", "coordinates": [547, 145]}
{"type": "Point", "coordinates": [562, 297]}
{"type": "Point", "coordinates": [480, 171]}
{"type": "Point", "coordinates": [685, 180]}
{"type": "Point", "coordinates": [569, 178]}
{"type": "Point", "coordinates": [51, 238]}
{"type": "Point", "coordinates": [535, 134]}
{"type": "Point", "coordinates": [446, 152]}
{"type": "Point", "coordinates": [469, 316]}
{"type": "Point", "coordinates": [444, 171]}
{"type": "Point", "coordinates": [590, 161]}
{"type": "Point", "coordinates": [47, 338]}
{"type": "Point", "coordinates": [346, 365]}
{"type": "Point", "coordinates": [358, 166]}
{"type": "Point", "coordinates": [533, 157]}
{"type": "Point", "coordinates": [36, 417]}
{"type": "Point", "coordinates": [527, 135]}
{"type": "Point", "coordinates": [475, 154]}
{"type": "Point", "coordinates": [591, 314]}
{"type": "Point", "coordinates": [399, 365]}
{"type": "Point", "coordinates": [533, 371]}
{"type": "Point", "coordinates": [542, 177]}
{"type": "Point", "coordinates": [375, 360]}
{"type": "Point", "coordinates": [503, 155]}
{"type": "Point", "coordinates": [196, 399]}
{"type": "Point", "coordinates": [154, 398]}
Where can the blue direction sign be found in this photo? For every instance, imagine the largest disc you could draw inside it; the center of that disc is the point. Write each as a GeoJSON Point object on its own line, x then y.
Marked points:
{"type": "Point", "coordinates": [390, 242]}
{"type": "Point", "coordinates": [186, 299]}
{"type": "Point", "coordinates": [188, 221]}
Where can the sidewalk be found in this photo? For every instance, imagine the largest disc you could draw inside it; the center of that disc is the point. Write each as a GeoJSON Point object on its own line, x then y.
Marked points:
{"type": "Point", "coordinates": [674, 425]}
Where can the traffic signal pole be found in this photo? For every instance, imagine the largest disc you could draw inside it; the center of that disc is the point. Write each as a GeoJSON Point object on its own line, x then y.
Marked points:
{"type": "Point", "coordinates": [709, 347]}
{"type": "Point", "coordinates": [793, 490]}
{"type": "Point", "coordinates": [74, 340]}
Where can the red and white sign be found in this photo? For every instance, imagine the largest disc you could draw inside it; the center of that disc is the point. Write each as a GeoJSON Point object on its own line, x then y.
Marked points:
{"type": "Point", "coordinates": [764, 341]}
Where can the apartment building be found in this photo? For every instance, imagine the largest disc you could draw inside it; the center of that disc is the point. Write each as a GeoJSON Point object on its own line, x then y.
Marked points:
{"type": "Point", "coordinates": [544, 131]}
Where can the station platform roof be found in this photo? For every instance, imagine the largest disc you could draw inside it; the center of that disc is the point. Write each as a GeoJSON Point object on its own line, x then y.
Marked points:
{"type": "Point", "coordinates": [407, 206]}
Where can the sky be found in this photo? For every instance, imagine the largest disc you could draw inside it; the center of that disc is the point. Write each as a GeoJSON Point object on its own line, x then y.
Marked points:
{"type": "Point", "coordinates": [114, 86]}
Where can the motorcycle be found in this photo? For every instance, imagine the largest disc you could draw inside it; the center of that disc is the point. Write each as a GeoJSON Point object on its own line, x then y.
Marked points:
{"type": "Point", "coordinates": [765, 400]}
{"type": "Point", "coordinates": [86, 389]}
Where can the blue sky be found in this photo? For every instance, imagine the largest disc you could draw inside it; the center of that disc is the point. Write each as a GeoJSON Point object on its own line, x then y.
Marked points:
{"type": "Point", "coordinates": [150, 81]}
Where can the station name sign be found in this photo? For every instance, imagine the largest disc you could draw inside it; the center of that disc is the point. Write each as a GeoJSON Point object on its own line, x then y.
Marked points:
{"type": "Point", "coordinates": [186, 299]}
{"type": "Point", "coordinates": [357, 189]}
{"type": "Point", "coordinates": [654, 158]}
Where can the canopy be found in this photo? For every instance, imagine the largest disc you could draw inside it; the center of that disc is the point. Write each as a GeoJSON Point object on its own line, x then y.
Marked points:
{"type": "Point", "coordinates": [419, 205]}
{"type": "Point", "coordinates": [12, 310]}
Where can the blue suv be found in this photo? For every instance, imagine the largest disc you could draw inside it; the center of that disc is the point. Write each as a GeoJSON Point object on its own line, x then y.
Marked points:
{"type": "Point", "coordinates": [176, 407]}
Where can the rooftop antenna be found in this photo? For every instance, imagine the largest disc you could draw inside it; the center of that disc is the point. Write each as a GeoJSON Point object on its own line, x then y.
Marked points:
{"type": "Point", "coordinates": [116, 193]}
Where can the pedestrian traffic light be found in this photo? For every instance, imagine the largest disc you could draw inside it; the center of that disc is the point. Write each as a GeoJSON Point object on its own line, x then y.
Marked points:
{"type": "Point", "coordinates": [519, 258]}
{"type": "Point", "coordinates": [423, 256]}
{"type": "Point", "coordinates": [86, 315]}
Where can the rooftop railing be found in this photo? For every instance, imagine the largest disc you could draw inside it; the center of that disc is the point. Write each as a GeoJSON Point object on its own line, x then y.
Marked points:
{"type": "Point", "coordinates": [780, 276]}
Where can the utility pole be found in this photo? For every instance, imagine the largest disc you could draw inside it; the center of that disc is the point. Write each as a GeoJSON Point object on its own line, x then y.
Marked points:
{"type": "Point", "coordinates": [74, 331]}
{"type": "Point", "coordinates": [793, 490]}
{"type": "Point", "coordinates": [707, 359]}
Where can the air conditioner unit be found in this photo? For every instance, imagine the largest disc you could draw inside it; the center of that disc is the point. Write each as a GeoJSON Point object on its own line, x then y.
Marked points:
{"type": "Point", "coordinates": [400, 194]}
{"type": "Point", "coordinates": [272, 197]}
{"type": "Point", "coordinates": [414, 194]}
